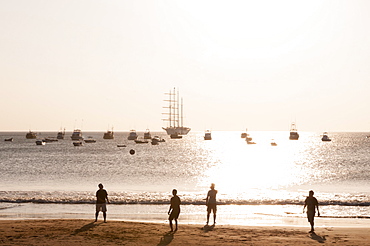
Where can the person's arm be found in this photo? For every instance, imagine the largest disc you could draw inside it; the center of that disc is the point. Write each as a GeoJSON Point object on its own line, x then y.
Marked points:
{"type": "Point", "coordinates": [207, 198]}
{"type": "Point", "coordinates": [305, 204]}
{"type": "Point", "coordinates": [318, 212]}
{"type": "Point", "coordinates": [169, 210]}
{"type": "Point", "coordinates": [106, 197]}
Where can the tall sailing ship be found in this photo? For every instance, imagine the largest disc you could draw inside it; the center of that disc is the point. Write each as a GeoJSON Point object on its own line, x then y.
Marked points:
{"type": "Point", "coordinates": [175, 115]}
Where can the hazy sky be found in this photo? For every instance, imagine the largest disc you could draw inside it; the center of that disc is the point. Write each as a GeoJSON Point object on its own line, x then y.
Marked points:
{"type": "Point", "coordinates": [238, 64]}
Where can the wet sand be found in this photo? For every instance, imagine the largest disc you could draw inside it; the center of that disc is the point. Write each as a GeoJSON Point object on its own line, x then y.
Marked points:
{"type": "Point", "coordinates": [88, 232]}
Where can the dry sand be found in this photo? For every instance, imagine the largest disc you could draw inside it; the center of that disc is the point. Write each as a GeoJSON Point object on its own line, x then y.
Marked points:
{"type": "Point", "coordinates": [86, 232]}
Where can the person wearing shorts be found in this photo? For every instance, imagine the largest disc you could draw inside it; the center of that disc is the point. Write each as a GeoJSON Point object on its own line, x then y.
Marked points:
{"type": "Point", "coordinates": [211, 203]}
{"type": "Point", "coordinates": [174, 210]}
{"type": "Point", "coordinates": [101, 202]}
{"type": "Point", "coordinates": [312, 204]}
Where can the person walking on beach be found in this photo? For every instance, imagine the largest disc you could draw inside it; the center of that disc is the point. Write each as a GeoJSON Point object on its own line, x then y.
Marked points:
{"type": "Point", "coordinates": [312, 204]}
{"type": "Point", "coordinates": [211, 203]}
{"type": "Point", "coordinates": [101, 202]}
{"type": "Point", "coordinates": [174, 210]}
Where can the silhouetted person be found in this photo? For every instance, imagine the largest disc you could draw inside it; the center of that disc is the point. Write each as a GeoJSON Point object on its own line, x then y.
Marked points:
{"type": "Point", "coordinates": [101, 202]}
{"type": "Point", "coordinates": [174, 210]}
{"type": "Point", "coordinates": [311, 203]}
{"type": "Point", "coordinates": [211, 203]}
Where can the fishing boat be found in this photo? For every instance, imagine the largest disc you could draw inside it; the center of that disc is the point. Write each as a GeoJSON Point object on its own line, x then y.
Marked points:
{"type": "Point", "coordinates": [273, 143]}
{"type": "Point", "coordinates": [140, 141]}
{"type": "Point", "coordinates": [77, 135]}
{"type": "Point", "coordinates": [175, 115]}
{"type": "Point", "coordinates": [31, 135]}
{"type": "Point", "coordinates": [40, 142]}
{"type": "Point", "coordinates": [8, 139]}
{"type": "Point", "coordinates": [61, 134]}
{"type": "Point", "coordinates": [293, 135]}
{"type": "Point", "coordinates": [90, 140]}
{"type": "Point", "coordinates": [157, 139]}
{"type": "Point", "coordinates": [147, 134]}
{"type": "Point", "coordinates": [247, 137]}
{"type": "Point", "coordinates": [77, 143]}
{"type": "Point", "coordinates": [121, 145]}
{"type": "Point", "coordinates": [51, 139]}
{"type": "Point", "coordinates": [108, 135]}
{"type": "Point", "coordinates": [132, 135]}
{"type": "Point", "coordinates": [325, 137]}
{"type": "Point", "coordinates": [207, 135]}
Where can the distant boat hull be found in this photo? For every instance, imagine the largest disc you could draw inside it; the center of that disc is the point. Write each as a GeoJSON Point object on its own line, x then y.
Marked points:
{"type": "Point", "coordinates": [108, 135]}
{"type": "Point", "coordinates": [40, 142]}
{"type": "Point", "coordinates": [175, 136]}
{"type": "Point", "coordinates": [79, 143]}
{"type": "Point", "coordinates": [31, 135]}
{"type": "Point", "coordinates": [181, 130]}
{"type": "Point", "coordinates": [294, 136]}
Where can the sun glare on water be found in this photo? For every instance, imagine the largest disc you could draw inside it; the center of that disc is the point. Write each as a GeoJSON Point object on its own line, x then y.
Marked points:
{"type": "Point", "coordinates": [242, 169]}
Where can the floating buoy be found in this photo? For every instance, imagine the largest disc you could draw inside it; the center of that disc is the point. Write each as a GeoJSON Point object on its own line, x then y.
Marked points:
{"type": "Point", "coordinates": [132, 151]}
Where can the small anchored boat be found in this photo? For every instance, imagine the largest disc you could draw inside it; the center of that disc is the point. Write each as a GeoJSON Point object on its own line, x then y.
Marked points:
{"type": "Point", "coordinates": [325, 137]}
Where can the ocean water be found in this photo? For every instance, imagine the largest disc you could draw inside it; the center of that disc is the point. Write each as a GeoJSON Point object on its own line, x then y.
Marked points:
{"type": "Point", "coordinates": [269, 180]}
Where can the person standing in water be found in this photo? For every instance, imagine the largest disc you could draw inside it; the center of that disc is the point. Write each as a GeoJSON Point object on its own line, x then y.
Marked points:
{"type": "Point", "coordinates": [312, 204]}
{"type": "Point", "coordinates": [174, 210]}
{"type": "Point", "coordinates": [211, 203]}
{"type": "Point", "coordinates": [101, 202]}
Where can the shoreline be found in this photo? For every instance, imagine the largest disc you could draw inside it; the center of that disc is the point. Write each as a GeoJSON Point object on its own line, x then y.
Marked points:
{"type": "Point", "coordinates": [86, 232]}
{"type": "Point", "coordinates": [232, 215]}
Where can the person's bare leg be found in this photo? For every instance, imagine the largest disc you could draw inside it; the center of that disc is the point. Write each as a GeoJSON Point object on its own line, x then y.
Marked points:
{"type": "Point", "coordinates": [96, 216]}
{"type": "Point", "coordinates": [176, 224]}
{"type": "Point", "coordinates": [105, 216]}
{"type": "Point", "coordinates": [214, 218]}
{"type": "Point", "coordinates": [208, 213]}
{"type": "Point", "coordinates": [171, 225]}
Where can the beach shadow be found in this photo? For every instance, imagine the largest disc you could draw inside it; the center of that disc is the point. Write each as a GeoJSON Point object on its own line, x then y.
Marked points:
{"type": "Point", "coordinates": [208, 228]}
{"type": "Point", "coordinates": [85, 228]}
{"type": "Point", "coordinates": [318, 238]}
{"type": "Point", "coordinates": [166, 239]}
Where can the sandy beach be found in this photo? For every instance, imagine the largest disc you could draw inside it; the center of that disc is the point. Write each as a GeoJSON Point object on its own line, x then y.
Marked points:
{"type": "Point", "coordinates": [88, 232]}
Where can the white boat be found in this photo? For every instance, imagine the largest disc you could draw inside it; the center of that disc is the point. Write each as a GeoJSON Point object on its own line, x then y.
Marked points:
{"type": "Point", "coordinates": [147, 134]}
{"type": "Point", "coordinates": [293, 135]}
{"type": "Point", "coordinates": [109, 135]}
{"type": "Point", "coordinates": [325, 137]}
{"type": "Point", "coordinates": [207, 135]}
{"type": "Point", "coordinates": [175, 116]}
{"type": "Point", "coordinates": [61, 134]}
{"type": "Point", "coordinates": [156, 140]}
{"type": "Point", "coordinates": [77, 135]}
{"type": "Point", "coordinates": [40, 142]}
{"type": "Point", "coordinates": [132, 135]}
{"type": "Point", "coordinates": [31, 135]}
